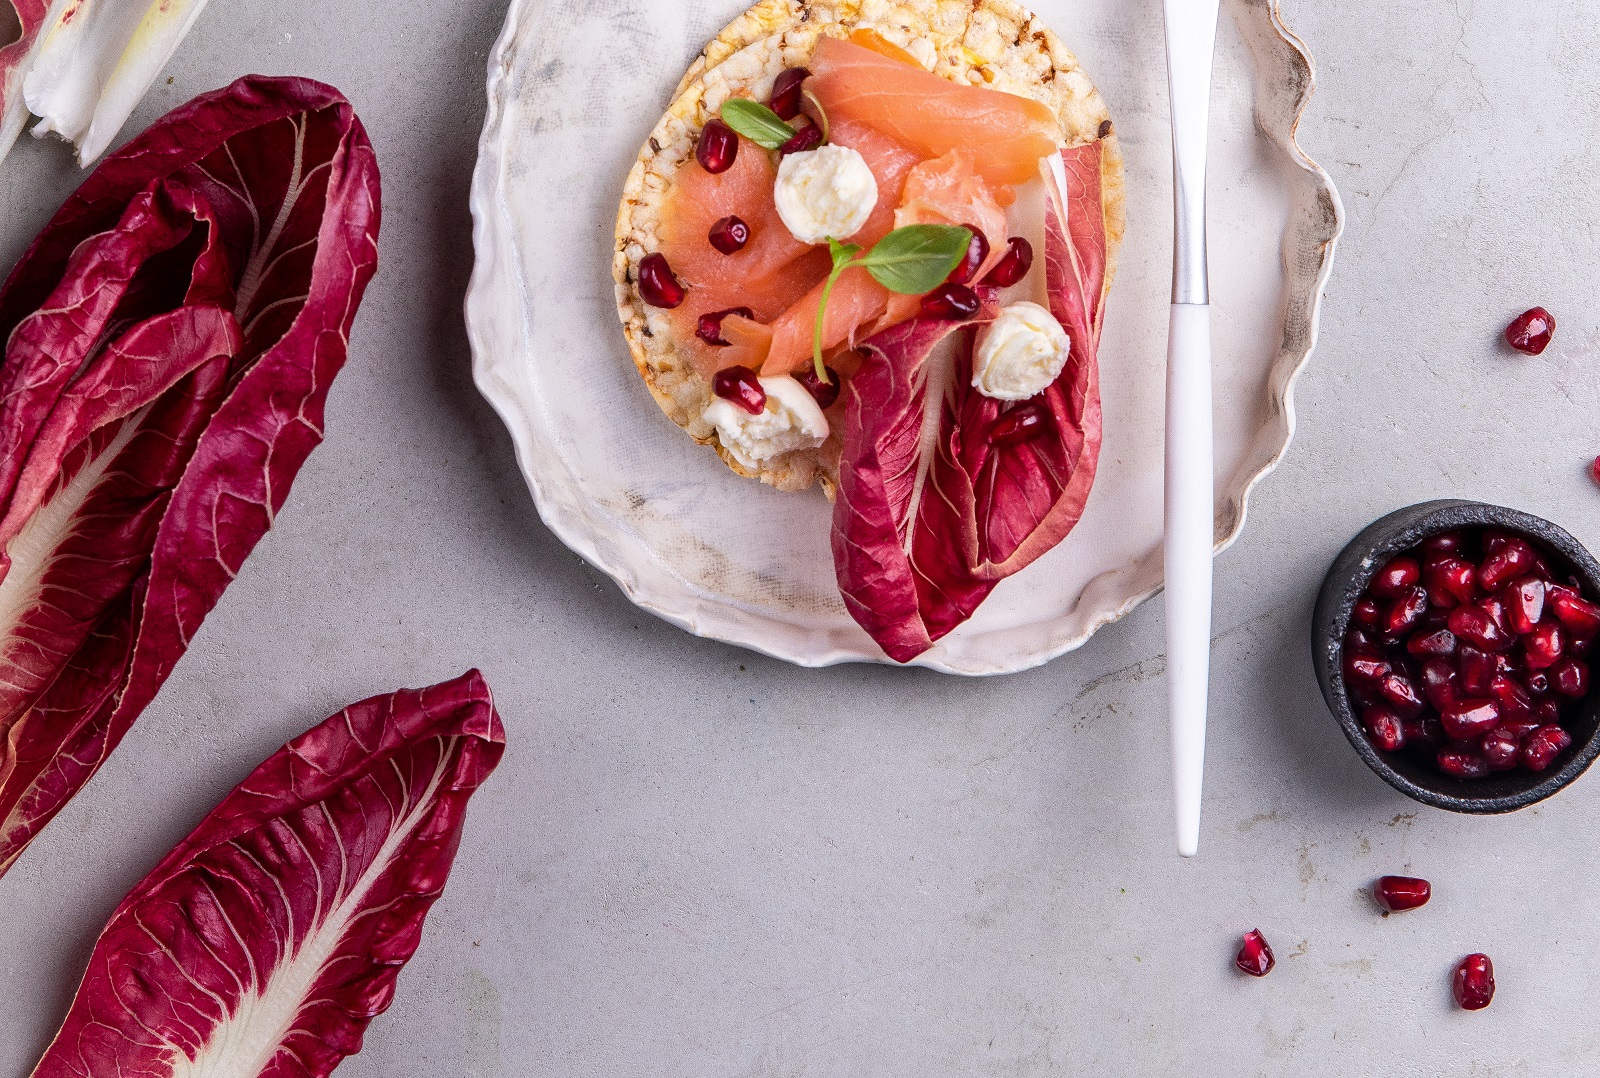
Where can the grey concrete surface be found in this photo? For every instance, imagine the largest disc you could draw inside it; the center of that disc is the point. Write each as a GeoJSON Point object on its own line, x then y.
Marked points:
{"type": "Point", "coordinates": [695, 861]}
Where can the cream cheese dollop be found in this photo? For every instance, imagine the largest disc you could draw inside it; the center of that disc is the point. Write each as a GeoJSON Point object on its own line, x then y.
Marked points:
{"type": "Point", "coordinates": [791, 420]}
{"type": "Point", "coordinates": [1022, 352]}
{"type": "Point", "coordinates": [828, 191]}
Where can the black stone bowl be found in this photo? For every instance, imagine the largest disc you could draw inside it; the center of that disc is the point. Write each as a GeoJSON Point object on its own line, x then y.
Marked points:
{"type": "Point", "coordinates": [1353, 569]}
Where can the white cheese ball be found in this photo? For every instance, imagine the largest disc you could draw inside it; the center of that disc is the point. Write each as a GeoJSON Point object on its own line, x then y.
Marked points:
{"type": "Point", "coordinates": [828, 191]}
{"type": "Point", "coordinates": [790, 421]}
{"type": "Point", "coordinates": [1022, 352]}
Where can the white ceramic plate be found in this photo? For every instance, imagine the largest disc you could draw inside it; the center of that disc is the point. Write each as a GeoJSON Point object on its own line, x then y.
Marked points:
{"type": "Point", "coordinates": [574, 90]}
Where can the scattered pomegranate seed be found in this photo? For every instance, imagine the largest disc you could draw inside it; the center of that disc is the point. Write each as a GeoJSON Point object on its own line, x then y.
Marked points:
{"type": "Point", "coordinates": [1542, 746]}
{"type": "Point", "coordinates": [824, 393]}
{"type": "Point", "coordinates": [717, 148]}
{"type": "Point", "coordinates": [977, 251]}
{"type": "Point", "coordinates": [1023, 423]}
{"type": "Point", "coordinates": [786, 92]}
{"type": "Point", "coordinates": [1013, 266]}
{"type": "Point", "coordinates": [729, 234]}
{"type": "Point", "coordinates": [1531, 330]}
{"type": "Point", "coordinates": [710, 327]}
{"type": "Point", "coordinates": [1386, 728]}
{"type": "Point", "coordinates": [1473, 983]}
{"type": "Point", "coordinates": [1465, 720]}
{"type": "Point", "coordinates": [951, 302]}
{"type": "Point", "coordinates": [1594, 469]}
{"type": "Point", "coordinates": [657, 284]}
{"type": "Point", "coordinates": [1397, 576]}
{"type": "Point", "coordinates": [741, 386]}
{"type": "Point", "coordinates": [1570, 678]}
{"type": "Point", "coordinates": [807, 138]}
{"type": "Point", "coordinates": [1255, 957]}
{"type": "Point", "coordinates": [1397, 893]}
{"type": "Point", "coordinates": [1462, 763]}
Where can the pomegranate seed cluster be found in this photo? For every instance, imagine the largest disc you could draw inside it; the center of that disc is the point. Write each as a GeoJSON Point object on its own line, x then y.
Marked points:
{"type": "Point", "coordinates": [1464, 651]}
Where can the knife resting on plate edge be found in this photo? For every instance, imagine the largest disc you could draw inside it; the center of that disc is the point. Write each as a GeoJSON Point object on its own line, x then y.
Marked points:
{"type": "Point", "coordinates": [1187, 541]}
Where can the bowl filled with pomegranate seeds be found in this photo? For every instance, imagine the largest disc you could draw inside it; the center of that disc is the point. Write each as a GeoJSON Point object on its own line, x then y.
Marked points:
{"type": "Point", "coordinates": [1453, 641]}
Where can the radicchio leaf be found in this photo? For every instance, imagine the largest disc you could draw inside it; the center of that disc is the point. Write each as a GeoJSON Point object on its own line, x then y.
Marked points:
{"type": "Point", "coordinates": [16, 59]}
{"type": "Point", "coordinates": [170, 339]}
{"type": "Point", "coordinates": [268, 939]}
{"type": "Point", "coordinates": [932, 511]}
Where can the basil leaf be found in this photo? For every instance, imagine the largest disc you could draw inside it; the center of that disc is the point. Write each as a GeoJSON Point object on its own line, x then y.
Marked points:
{"type": "Point", "coordinates": [916, 258]}
{"type": "Point", "coordinates": [841, 252]}
{"type": "Point", "coordinates": [756, 122]}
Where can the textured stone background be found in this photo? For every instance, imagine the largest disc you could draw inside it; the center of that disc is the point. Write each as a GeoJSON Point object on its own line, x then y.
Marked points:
{"type": "Point", "coordinates": [695, 861]}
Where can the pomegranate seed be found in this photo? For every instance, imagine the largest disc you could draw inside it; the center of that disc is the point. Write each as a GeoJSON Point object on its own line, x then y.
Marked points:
{"type": "Point", "coordinates": [1406, 611]}
{"type": "Point", "coordinates": [710, 328]}
{"type": "Point", "coordinates": [1575, 612]}
{"type": "Point", "coordinates": [1473, 983]}
{"type": "Point", "coordinates": [1255, 957]}
{"type": "Point", "coordinates": [1442, 543]}
{"type": "Point", "coordinates": [1435, 642]}
{"type": "Point", "coordinates": [1476, 669]}
{"type": "Point", "coordinates": [1543, 646]}
{"type": "Point", "coordinates": [977, 251]}
{"type": "Point", "coordinates": [786, 92]}
{"type": "Point", "coordinates": [1451, 581]}
{"type": "Point", "coordinates": [1524, 604]}
{"type": "Point", "coordinates": [1514, 702]}
{"type": "Point", "coordinates": [1570, 678]}
{"type": "Point", "coordinates": [1423, 731]}
{"type": "Point", "coordinates": [717, 148]}
{"type": "Point", "coordinates": [729, 234]}
{"type": "Point", "coordinates": [1521, 730]}
{"type": "Point", "coordinates": [1478, 625]}
{"type": "Point", "coordinates": [1439, 683]}
{"type": "Point", "coordinates": [1367, 614]}
{"type": "Point", "coordinates": [824, 393]}
{"type": "Point", "coordinates": [1367, 669]}
{"type": "Point", "coordinates": [1547, 712]}
{"type": "Point", "coordinates": [1402, 695]}
{"type": "Point", "coordinates": [1512, 560]}
{"type": "Point", "coordinates": [1543, 746]}
{"type": "Point", "coordinates": [1493, 539]}
{"type": "Point", "coordinates": [1536, 682]}
{"type": "Point", "coordinates": [1385, 727]}
{"type": "Point", "coordinates": [1580, 645]}
{"type": "Point", "coordinates": [1024, 423]}
{"type": "Point", "coordinates": [1397, 893]}
{"type": "Point", "coordinates": [741, 386]}
{"type": "Point", "coordinates": [1462, 763]}
{"type": "Point", "coordinates": [1395, 577]}
{"type": "Point", "coordinates": [1467, 719]}
{"type": "Point", "coordinates": [950, 302]}
{"type": "Point", "coordinates": [1531, 330]}
{"type": "Point", "coordinates": [1356, 640]}
{"type": "Point", "coordinates": [1014, 266]}
{"type": "Point", "coordinates": [807, 138]}
{"type": "Point", "coordinates": [1594, 470]}
{"type": "Point", "coordinates": [1501, 749]}
{"type": "Point", "coordinates": [657, 285]}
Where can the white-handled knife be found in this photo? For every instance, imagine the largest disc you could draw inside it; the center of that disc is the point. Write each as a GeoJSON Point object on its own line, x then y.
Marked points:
{"type": "Point", "coordinates": [1191, 37]}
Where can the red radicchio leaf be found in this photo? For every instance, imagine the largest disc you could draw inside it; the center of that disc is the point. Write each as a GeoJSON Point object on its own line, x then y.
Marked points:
{"type": "Point", "coordinates": [170, 338]}
{"type": "Point", "coordinates": [932, 511]}
{"type": "Point", "coordinates": [268, 939]}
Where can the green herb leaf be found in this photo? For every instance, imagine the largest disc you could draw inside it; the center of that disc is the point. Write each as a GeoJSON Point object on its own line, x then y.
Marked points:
{"type": "Point", "coordinates": [841, 252]}
{"type": "Point", "coordinates": [756, 122]}
{"type": "Point", "coordinates": [916, 258]}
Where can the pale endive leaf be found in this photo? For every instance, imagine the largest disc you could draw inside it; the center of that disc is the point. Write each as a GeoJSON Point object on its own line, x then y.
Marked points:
{"type": "Point", "coordinates": [95, 60]}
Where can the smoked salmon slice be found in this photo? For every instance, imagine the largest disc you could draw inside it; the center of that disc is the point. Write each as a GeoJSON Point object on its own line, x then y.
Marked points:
{"type": "Point", "coordinates": [1007, 133]}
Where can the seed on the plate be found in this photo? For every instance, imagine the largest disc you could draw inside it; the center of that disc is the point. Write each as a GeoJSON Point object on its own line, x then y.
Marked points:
{"type": "Point", "coordinates": [710, 327]}
{"type": "Point", "coordinates": [741, 386]}
{"type": "Point", "coordinates": [717, 148]}
{"type": "Point", "coordinates": [786, 92]}
{"type": "Point", "coordinates": [729, 234]}
{"type": "Point", "coordinates": [1531, 330]}
{"type": "Point", "coordinates": [1397, 893]}
{"type": "Point", "coordinates": [1014, 266]}
{"type": "Point", "coordinates": [657, 284]}
{"type": "Point", "coordinates": [1594, 469]}
{"type": "Point", "coordinates": [951, 302]}
{"type": "Point", "coordinates": [977, 251]}
{"type": "Point", "coordinates": [1473, 982]}
{"type": "Point", "coordinates": [823, 392]}
{"type": "Point", "coordinates": [1255, 957]}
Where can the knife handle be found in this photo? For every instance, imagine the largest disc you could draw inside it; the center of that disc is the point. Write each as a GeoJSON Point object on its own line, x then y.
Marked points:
{"type": "Point", "coordinates": [1187, 549]}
